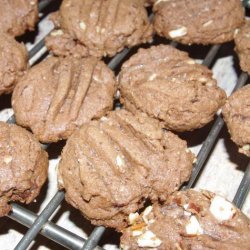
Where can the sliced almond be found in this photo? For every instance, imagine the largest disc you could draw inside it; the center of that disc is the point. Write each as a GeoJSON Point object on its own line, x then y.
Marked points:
{"type": "Point", "coordinates": [56, 33]}
{"type": "Point", "coordinates": [148, 239]}
{"type": "Point", "coordinates": [222, 209]}
{"type": "Point", "coordinates": [133, 217]}
{"type": "Point", "coordinates": [82, 25]}
{"type": "Point", "coordinates": [208, 23]}
{"type": "Point", "coordinates": [182, 31]}
{"type": "Point", "coordinates": [193, 227]}
{"type": "Point", "coordinates": [119, 161]}
{"type": "Point", "coordinates": [145, 214]}
{"type": "Point", "coordinates": [7, 159]}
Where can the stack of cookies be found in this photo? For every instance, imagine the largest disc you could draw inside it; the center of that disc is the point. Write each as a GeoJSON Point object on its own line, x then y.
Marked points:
{"type": "Point", "coordinates": [116, 161]}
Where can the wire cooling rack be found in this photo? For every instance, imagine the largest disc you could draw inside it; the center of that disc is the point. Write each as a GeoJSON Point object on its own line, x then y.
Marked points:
{"type": "Point", "coordinates": [41, 224]}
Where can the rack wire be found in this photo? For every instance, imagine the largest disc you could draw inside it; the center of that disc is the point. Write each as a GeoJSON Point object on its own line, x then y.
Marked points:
{"type": "Point", "coordinates": [41, 224]}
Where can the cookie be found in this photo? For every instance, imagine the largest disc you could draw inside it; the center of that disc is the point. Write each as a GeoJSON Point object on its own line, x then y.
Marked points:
{"type": "Point", "coordinates": [17, 16]}
{"type": "Point", "coordinates": [23, 166]}
{"type": "Point", "coordinates": [198, 22]}
{"type": "Point", "coordinates": [242, 42]}
{"type": "Point", "coordinates": [111, 166]}
{"type": "Point", "coordinates": [236, 113]}
{"type": "Point", "coordinates": [166, 84]}
{"type": "Point", "coordinates": [99, 28]}
{"type": "Point", "coordinates": [188, 220]}
{"type": "Point", "coordinates": [58, 95]}
{"type": "Point", "coordinates": [13, 62]}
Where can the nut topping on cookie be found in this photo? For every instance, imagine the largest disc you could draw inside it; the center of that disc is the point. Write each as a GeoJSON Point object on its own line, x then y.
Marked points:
{"type": "Point", "coordinates": [222, 209]}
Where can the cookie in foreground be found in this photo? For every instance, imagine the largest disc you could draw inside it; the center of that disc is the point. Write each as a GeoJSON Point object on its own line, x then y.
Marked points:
{"type": "Point", "coordinates": [188, 220]}
{"type": "Point", "coordinates": [111, 166]}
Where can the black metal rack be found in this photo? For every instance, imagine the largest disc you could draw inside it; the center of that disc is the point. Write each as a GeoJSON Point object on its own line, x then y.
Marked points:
{"type": "Point", "coordinates": [41, 224]}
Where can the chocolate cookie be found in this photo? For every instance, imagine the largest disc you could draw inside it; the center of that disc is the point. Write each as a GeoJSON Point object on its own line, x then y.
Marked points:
{"type": "Point", "coordinates": [58, 95]}
{"type": "Point", "coordinates": [13, 62]}
{"type": "Point", "coordinates": [17, 16]}
{"type": "Point", "coordinates": [23, 166]}
{"type": "Point", "coordinates": [111, 166]}
{"type": "Point", "coordinates": [166, 84]}
{"type": "Point", "coordinates": [189, 220]}
{"type": "Point", "coordinates": [242, 42]}
{"type": "Point", "coordinates": [236, 114]}
{"type": "Point", "coordinates": [199, 22]}
{"type": "Point", "coordinates": [99, 28]}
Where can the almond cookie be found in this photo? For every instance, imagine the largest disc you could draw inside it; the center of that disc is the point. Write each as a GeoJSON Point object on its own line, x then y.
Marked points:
{"type": "Point", "coordinates": [23, 166]}
{"type": "Point", "coordinates": [188, 220]}
{"type": "Point", "coordinates": [236, 113]}
{"type": "Point", "coordinates": [13, 62]}
{"type": "Point", "coordinates": [58, 95]}
{"type": "Point", "coordinates": [111, 166]}
{"type": "Point", "coordinates": [17, 16]}
{"type": "Point", "coordinates": [99, 28]}
{"type": "Point", "coordinates": [242, 42]}
{"type": "Point", "coordinates": [198, 22]}
{"type": "Point", "coordinates": [166, 84]}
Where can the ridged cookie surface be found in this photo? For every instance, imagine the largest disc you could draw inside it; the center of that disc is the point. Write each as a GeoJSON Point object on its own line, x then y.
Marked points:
{"type": "Point", "coordinates": [99, 28]}
{"type": "Point", "coordinates": [58, 95]}
{"type": "Point", "coordinates": [111, 166]}
{"type": "Point", "coordinates": [166, 84]}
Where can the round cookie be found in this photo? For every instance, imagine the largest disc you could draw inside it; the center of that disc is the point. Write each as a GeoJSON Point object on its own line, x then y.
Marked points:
{"type": "Point", "coordinates": [242, 42]}
{"type": "Point", "coordinates": [111, 166]}
{"type": "Point", "coordinates": [236, 113]}
{"type": "Point", "coordinates": [13, 62]}
{"type": "Point", "coordinates": [188, 220]}
{"type": "Point", "coordinates": [17, 16]}
{"type": "Point", "coordinates": [23, 166]}
{"type": "Point", "coordinates": [166, 84]}
{"type": "Point", "coordinates": [58, 95]}
{"type": "Point", "coordinates": [198, 22]}
{"type": "Point", "coordinates": [99, 28]}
